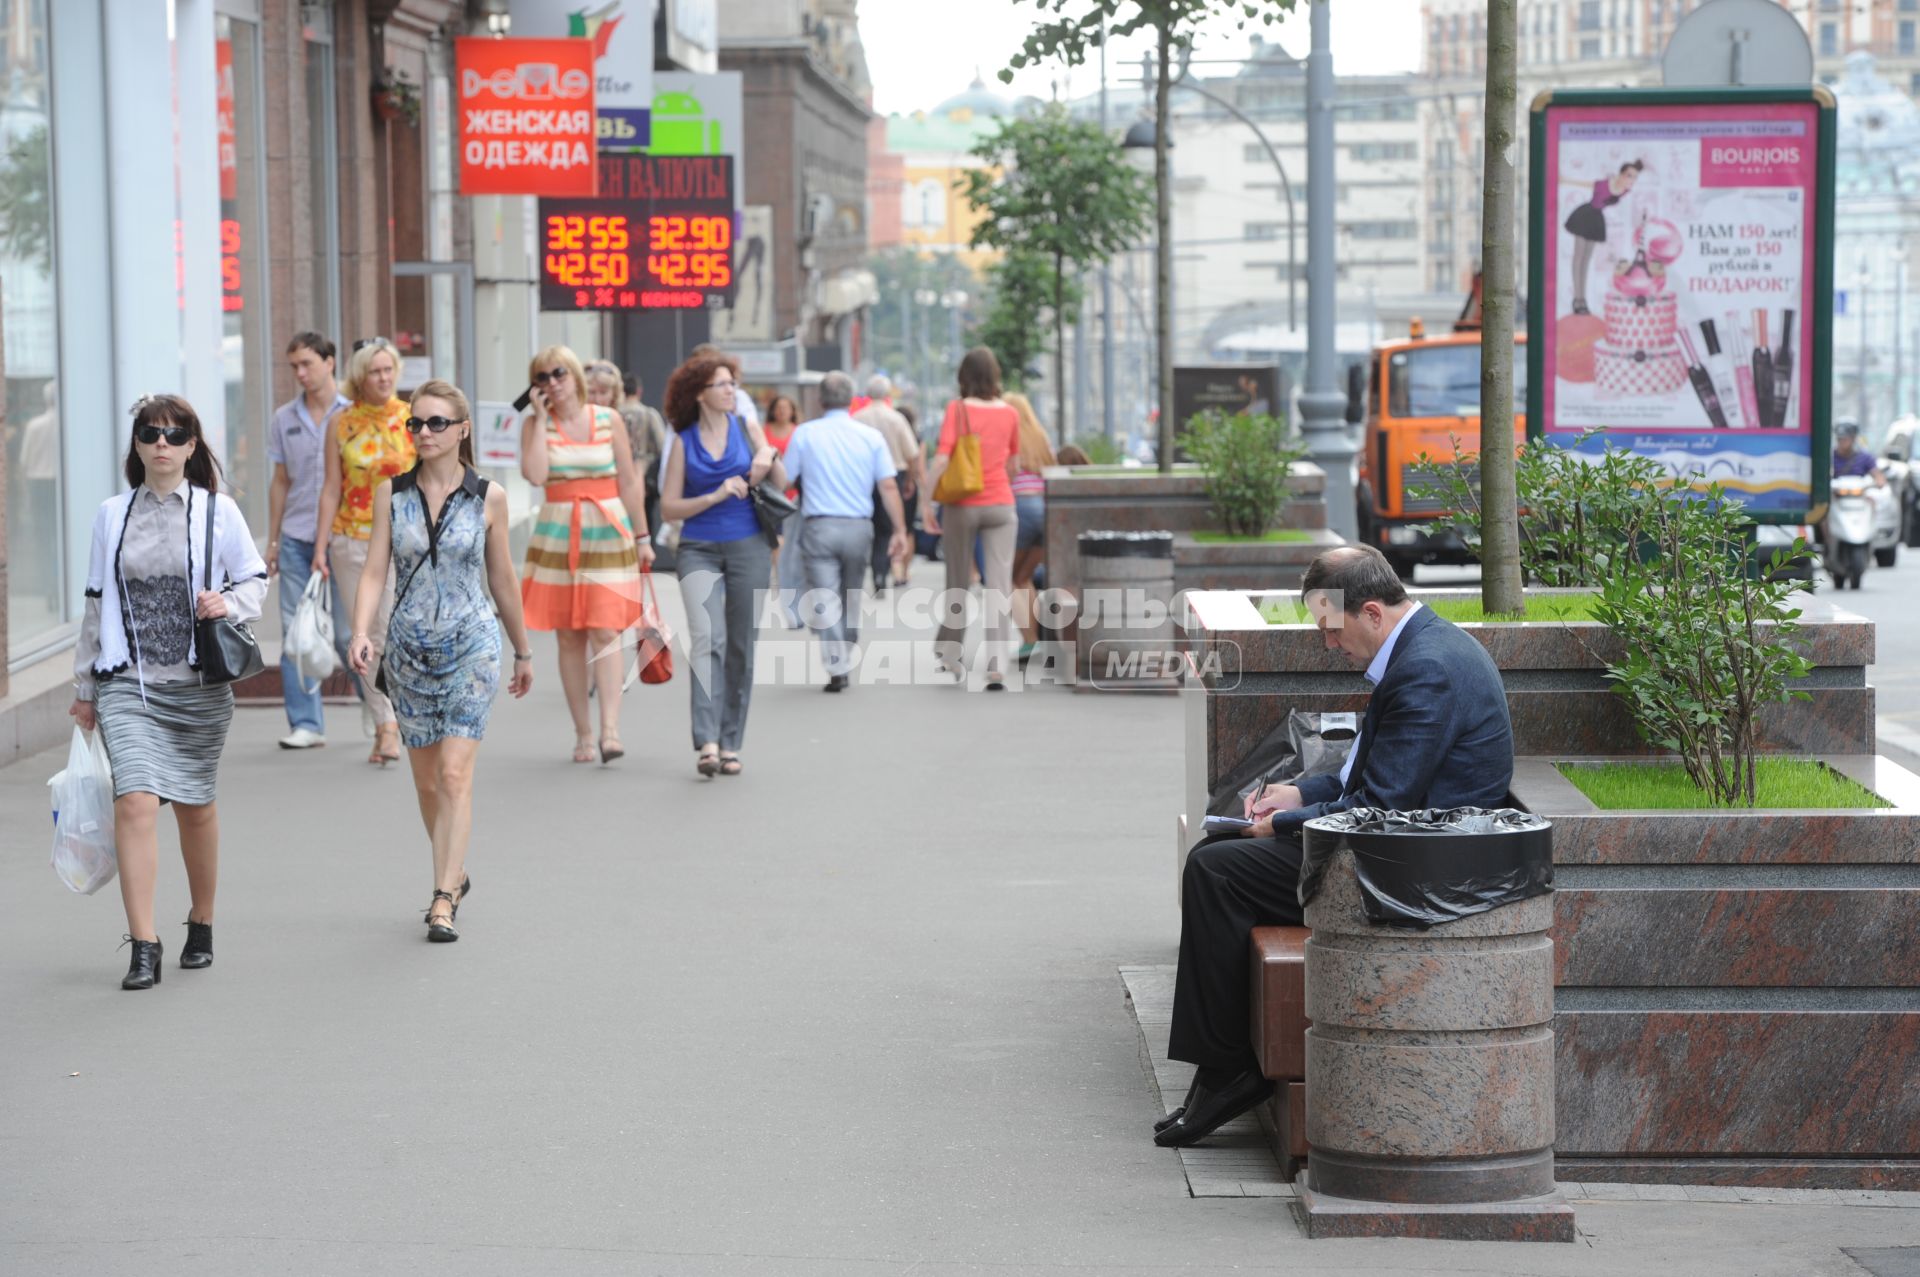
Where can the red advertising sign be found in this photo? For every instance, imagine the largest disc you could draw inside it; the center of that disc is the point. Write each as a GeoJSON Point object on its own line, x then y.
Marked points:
{"type": "Point", "coordinates": [223, 116]}
{"type": "Point", "coordinates": [526, 116]}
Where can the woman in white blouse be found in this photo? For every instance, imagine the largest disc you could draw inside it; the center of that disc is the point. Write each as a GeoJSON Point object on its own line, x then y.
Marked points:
{"type": "Point", "coordinates": [137, 674]}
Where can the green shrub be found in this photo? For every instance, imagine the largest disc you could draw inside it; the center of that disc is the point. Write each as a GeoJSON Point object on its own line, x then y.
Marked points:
{"type": "Point", "coordinates": [1100, 450]}
{"type": "Point", "coordinates": [1247, 459]}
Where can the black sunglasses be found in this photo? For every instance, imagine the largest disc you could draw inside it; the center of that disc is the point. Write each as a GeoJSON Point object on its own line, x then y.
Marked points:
{"type": "Point", "coordinates": [177, 436]}
{"type": "Point", "coordinates": [551, 374]}
{"type": "Point", "coordinates": [436, 424]}
{"type": "Point", "coordinates": [364, 342]}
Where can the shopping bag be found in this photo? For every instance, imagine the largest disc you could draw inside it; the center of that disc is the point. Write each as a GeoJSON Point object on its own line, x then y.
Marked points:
{"type": "Point", "coordinates": [309, 640]}
{"type": "Point", "coordinates": [83, 854]}
{"type": "Point", "coordinates": [963, 476]}
{"type": "Point", "coordinates": [654, 642]}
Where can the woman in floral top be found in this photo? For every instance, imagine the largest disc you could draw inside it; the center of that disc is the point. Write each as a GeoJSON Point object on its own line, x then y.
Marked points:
{"type": "Point", "coordinates": [367, 444]}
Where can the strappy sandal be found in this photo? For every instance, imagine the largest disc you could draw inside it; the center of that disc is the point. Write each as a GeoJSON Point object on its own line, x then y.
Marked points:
{"type": "Point", "coordinates": [466, 888]}
{"type": "Point", "coordinates": [437, 931]}
{"type": "Point", "coordinates": [610, 750]}
{"type": "Point", "coordinates": [380, 757]}
{"type": "Point", "coordinates": [730, 764]}
{"type": "Point", "coordinates": [583, 751]}
{"type": "Point", "coordinates": [708, 764]}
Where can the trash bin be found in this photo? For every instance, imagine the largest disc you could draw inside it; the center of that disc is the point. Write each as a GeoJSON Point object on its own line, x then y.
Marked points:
{"type": "Point", "coordinates": [1126, 621]}
{"type": "Point", "coordinates": [1430, 1057]}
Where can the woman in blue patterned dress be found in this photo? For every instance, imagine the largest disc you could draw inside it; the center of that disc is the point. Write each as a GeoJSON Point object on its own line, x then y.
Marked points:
{"type": "Point", "coordinates": [445, 529]}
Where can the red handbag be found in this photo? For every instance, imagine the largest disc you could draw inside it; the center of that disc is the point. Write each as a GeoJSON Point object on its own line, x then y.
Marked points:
{"type": "Point", "coordinates": [653, 643]}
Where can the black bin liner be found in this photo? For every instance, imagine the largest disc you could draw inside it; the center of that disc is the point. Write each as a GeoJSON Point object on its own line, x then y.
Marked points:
{"type": "Point", "coordinates": [1305, 743]}
{"type": "Point", "coordinates": [1419, 869]}
{"type": "Point", "coordinates": [1126, 545]}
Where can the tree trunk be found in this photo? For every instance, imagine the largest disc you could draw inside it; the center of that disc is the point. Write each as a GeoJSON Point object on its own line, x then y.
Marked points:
{"type": "Point", "coordinates": [1060, 343]}
{"type": "Point", "coordinates": [1163, 244]}
{"type": "Point", "coordinates": [1501, 586]}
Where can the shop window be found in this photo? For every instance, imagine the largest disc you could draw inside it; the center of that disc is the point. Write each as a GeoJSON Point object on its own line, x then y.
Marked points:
{"type": "Point", "coordinates": [1829, 39]}
{"type": "Point", "coordinates": [323, 176]}
{"type": "Point", "coordinates": [1905, 36]}
{"type": "Point", "coordinates": [40, 598]}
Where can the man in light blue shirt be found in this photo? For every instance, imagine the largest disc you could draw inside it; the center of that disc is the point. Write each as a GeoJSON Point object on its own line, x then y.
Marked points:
{"type": "Point", "coordinates": [839, 463]}
{"type": "Point", "coordinates": [296, 444]}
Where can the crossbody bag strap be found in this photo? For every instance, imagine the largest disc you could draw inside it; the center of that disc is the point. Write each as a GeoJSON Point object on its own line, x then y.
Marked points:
{"type": "Point", "coordinates": [206, 566]}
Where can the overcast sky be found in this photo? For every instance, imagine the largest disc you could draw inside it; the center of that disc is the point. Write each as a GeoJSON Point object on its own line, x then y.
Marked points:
{"type": "Point", "coordinates": [918, 60]}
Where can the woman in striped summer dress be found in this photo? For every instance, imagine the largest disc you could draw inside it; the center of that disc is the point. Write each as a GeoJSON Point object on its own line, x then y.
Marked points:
{"type": "Point", "coordinates": [590, 541]}
{"type": "Point", "coordinates": [137, 673]}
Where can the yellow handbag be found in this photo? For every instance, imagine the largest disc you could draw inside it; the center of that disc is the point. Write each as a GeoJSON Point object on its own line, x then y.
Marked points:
{"type": "Point", "coordinates": [963, 476]}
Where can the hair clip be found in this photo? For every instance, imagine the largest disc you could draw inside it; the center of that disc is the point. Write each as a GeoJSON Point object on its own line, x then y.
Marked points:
{"type": "Point", "coordinates": [141, 403]}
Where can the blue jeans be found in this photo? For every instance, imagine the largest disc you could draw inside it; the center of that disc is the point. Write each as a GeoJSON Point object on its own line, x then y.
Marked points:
{"type": "Point", "coordinates": [303, 703]}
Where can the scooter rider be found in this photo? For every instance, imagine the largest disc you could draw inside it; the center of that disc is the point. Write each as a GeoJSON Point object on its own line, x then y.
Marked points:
{"type": "Point", "coordinates": [1850, 459]}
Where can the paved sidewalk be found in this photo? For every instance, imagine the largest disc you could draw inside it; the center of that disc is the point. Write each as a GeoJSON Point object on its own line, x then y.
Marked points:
{"type": "Point", "coordinates": [856, 1011]}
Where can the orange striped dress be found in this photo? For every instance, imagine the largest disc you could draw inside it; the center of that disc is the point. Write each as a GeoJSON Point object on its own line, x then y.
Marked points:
{"type": "Point", "coordinates": [583, 569]}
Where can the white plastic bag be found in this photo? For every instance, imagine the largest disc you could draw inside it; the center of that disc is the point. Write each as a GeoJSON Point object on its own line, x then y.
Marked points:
{"type": "Point", "coordinates": [309, 640]}
{"type": "Point", "coordinates": [83, 853]}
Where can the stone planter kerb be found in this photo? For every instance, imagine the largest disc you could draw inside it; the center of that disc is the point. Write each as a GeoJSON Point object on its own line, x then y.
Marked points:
{"type": "Point", "coordinates": [1430, 1082]}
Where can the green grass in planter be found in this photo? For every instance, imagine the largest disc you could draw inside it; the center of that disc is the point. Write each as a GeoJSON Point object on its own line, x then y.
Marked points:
{"type": "Point", "coordinates": [1540, 607]}
{"type": "Point", "coordinates": [1271, 534]}
{"type": "Point", "coordinates": [1778, 782]}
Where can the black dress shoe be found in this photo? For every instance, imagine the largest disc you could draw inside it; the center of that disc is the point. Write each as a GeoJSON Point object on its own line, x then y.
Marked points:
{"type": "Point", "coordinates": [198, 952]}
{"type": "Point", "coordinates": [1210, 1110]}
{"type": "Point", "coordinates": [837, 683]}
{"type": "Point", "coordinates": [144, 971]}
{"type": "Point", "coordinates": [1192, 1088]}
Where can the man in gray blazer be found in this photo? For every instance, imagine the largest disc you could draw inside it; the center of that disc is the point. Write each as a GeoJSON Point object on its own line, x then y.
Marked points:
{"type": "Point", "coordinates": [1435, 735]}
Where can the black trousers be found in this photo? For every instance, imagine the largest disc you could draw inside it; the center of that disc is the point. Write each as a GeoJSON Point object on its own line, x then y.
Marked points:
{"type": "Point", "coordinates": [1231, 886]}
{"type": "Point", "coordinates": [883, 530]}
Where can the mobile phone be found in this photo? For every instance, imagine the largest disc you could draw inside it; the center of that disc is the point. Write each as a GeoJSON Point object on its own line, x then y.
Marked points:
{"type": "Point", "coordinates": [1226, 825]}
{"type": "Point", "coordinates": [525, 400]}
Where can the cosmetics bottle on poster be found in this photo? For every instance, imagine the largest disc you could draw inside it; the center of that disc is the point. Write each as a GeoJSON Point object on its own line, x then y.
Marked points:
{"type": "Point", "coordinates": [1740, 353]}
{"type": "Point", "coordinates": [1783, 374]}
{"type": "Point", "coordinates": [1702, 383]}
{"type": "Point", "coordinates": [1762, 368]}
{"type": "Point", "coordinates": [1721, 369]}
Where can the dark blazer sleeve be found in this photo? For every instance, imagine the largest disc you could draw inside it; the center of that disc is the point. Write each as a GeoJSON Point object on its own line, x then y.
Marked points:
{"type": "Point", "coordinates": [1408, 744]}
{"type": "Point", "coordinates": [1319, 789]}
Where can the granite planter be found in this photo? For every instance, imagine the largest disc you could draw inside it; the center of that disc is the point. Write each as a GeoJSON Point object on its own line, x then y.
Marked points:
{"type": "Point", "coordinates": [1737, 992]}
{"type": "Point", "coordinates": [1246, 565]}
{"type": "Point", "coordinates": [1110, 499]}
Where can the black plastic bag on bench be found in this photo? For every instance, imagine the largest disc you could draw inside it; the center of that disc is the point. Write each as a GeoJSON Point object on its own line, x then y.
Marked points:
{"type": "Point", "coordinates": [1305, 743]}
{"type": "Point", "coordinates": [1419, 869]}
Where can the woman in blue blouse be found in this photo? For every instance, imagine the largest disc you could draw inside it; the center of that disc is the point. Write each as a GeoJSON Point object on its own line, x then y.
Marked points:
{"type": "Point", "coordinates": [716, 458]}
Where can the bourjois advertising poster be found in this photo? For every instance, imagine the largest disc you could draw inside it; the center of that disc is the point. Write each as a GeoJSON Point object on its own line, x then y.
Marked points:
{"type": "Point", "coordinates": [1682, 284]}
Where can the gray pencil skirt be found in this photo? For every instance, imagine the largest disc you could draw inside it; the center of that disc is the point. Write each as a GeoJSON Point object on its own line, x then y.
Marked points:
{"type": "Point", "coordinates": [168, 745]}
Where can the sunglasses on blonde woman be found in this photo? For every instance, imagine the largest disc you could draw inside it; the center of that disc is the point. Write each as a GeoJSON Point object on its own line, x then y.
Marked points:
{"type": "Point", "coordinates": [438, 425]}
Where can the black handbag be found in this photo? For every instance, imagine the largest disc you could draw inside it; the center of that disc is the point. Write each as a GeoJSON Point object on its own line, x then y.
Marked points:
{"type": "Point", "coordinates": [771, 507]}
{"type": "Point", "coordinates": [227, 649]}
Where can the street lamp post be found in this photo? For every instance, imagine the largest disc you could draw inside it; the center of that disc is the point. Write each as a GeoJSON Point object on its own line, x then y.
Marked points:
{"type": "Point", "coordinates": [1322, 407]}
{"type": "Point", "coordinates": [1860, 414]}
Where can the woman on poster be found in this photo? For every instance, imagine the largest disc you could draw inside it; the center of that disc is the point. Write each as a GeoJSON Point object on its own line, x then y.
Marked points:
{"type": "Point", "coordinates": [1588, 225]}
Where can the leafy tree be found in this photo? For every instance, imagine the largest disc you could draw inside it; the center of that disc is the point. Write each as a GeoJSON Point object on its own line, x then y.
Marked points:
{"type": "Point", "coordinates": [1013, 329]}
{"type": "Point", "coordinates": [1067, 30]}
{"type": "Point", "coordinates": [1056, 193]}
{"type": "Point", "coordinates": [24, 210]}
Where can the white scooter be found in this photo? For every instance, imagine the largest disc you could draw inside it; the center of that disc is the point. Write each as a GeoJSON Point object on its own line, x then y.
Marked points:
{"type": "Point", "coordinates": [1851, 516]}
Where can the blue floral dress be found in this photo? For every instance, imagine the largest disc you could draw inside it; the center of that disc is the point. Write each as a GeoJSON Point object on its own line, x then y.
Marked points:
{"type": "Point", "coordinates": [443, 644]}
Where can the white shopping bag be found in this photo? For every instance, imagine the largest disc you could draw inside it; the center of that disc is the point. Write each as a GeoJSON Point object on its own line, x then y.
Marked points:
{"type": "Point", "coordinates": [83, 852]}
{"type": "Point", "coordinates": [309, 640]}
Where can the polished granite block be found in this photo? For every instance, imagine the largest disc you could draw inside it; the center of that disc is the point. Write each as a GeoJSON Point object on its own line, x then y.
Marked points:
{"type": "Point", "coordinates": [1889, 1174]}
{"type": "Point", "coordinates": [1254, 565]}
{"type": "Point", "coordinates": [1547, 1218]}
{"type": "Point", "coordinates": [1737, 1084]}
{"type": "Point", "coordinates": [1671, 936]}
{"type": "Point", "coordinates": [1277, 959]}
{"type": "Point", "coordinates": [1283, 1119]}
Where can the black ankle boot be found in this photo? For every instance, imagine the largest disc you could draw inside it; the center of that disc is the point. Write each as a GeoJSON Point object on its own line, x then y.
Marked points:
{"type": "Point", "coordinates": [144, 971]}
{"type": "Point", "coordinates": [198, 952]}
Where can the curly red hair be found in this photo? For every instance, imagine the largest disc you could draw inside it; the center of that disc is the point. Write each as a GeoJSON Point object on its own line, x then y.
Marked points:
{"type": "Point", "coordinates": [688, 380]}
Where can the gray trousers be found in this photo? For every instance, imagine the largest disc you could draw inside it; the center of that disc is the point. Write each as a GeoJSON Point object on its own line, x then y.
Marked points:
{"type": "Point", "coordinates": [722, 584]}
{"type": "Point", "coordinates": [835, 553]}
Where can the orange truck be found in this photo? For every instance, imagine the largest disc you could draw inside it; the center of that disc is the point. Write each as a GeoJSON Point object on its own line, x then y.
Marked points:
{"type": "Point", "coordinates": [1419, 394]}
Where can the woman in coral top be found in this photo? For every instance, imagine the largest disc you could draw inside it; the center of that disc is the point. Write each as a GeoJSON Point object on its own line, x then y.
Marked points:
{"type": "Point", "coordinates": [367, 444]}
{"type": "Point", "coordinates": [590, 542]}
{"type": "Point", "coordinates": [987, 514]}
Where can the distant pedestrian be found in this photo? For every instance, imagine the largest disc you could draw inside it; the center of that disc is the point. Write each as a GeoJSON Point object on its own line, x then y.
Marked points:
{"type": "Point", "coordinates": [789, 571]}
{"type": "Point", "coordinates": [295, 444]}
{"type": "Point", "coordinates": [444, 530]}
{"type": "Point", "coordinates": [137, 670]}
{"type": "Point", "coordinates": [1072, 455]}
{"type": "Point", "coordinates": [714, 461]}
{"type": "Point", "coordinates": [607, 387]}
{"type": "Point", "coordinates": [1033, 456]}
{"type": "Point", "coordinates": [908, 470]}
{"type": "Point", "coordinates": [987, 514]}
{"type": "Point", "coordinates": [366, 445]}
{"type": "Point", "coordinates": [840, 464]}
{"type": "Point", "coordinates": [590, 541]}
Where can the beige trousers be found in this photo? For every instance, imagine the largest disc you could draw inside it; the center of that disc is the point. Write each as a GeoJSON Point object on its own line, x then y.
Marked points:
{"type": "Point", "coordinates": [347, 560]}
{"type": "Point", "coordinates": [995, 526]}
